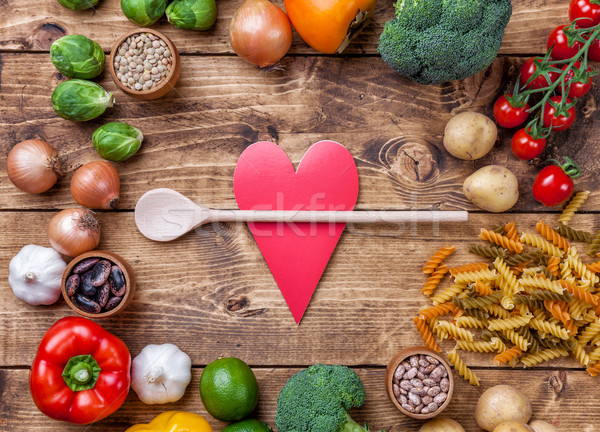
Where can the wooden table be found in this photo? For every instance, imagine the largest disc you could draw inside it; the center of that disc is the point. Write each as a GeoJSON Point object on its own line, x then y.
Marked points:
{"type": "Point", "coordinates": [211, 292]}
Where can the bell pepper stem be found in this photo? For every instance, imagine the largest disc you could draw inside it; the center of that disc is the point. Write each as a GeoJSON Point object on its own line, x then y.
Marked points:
{"type": "Point", "coordinates": [81, 373]}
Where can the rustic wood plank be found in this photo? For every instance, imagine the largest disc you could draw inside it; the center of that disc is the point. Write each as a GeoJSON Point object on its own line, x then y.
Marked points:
{"type": "Point", "coordinates": [195, 135]}
{"type": "Point", "coordinates": [556, 397]}
{"type": "Point", "coordinates": [33, 26]}
{"type": "Point", "coordinates": [211, 292]}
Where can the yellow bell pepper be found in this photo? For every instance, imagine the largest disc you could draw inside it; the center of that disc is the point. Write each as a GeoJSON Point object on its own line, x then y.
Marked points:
{"type": "Point", "coordinates": [174, 421]}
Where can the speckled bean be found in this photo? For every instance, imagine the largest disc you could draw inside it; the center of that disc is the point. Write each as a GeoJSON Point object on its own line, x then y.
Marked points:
{"type": "Point", "coordinates": [416, 400]}
{"type": "Point", "coordinates": [434, 391]}
{"type": "Point", "coordinates": [72, 284]}
{"type": "Point", "coordinates": [419, 391]}
{"type": "Point", "coordinates": [414, 361]}
{"type": "Point", "coordinates": [437, 373]}
{"type": "Point", "coordinates": [84, 265]}
{"type": "Point", "coordinates": [399, 373]}
{"type": "Point", "coordinates": [428, 369]}
{"type": "Point", "coordinates": [86, 304]}
{"type": "Point", "coordinates": [406, 365]}
{"type": "Point", "coordinates": [113, 303]}
{"type": "Point", "coordinates": [432, 360]}
{"type": "Point", "coordinates": [445, 385]}
{"type": "Point", "coordinates": [432, 407]}
{"type": "Point", "coordinates": [408, 408]}
{"type": "Point", "coordinates": [423, 362]}
{"type": "Point", "coordinates": [421, 375]}
{"type": "Point", "coordinates": [103, 294]}
{"type": "Point", "coordinates": [403, 399]}
{"type": "Point", "coordinates": [396, 390]}
{"type": "Point", "coordinates": [86, 287]}
{"type": "Point", "coordinates": [100, 273]}
{"type": "Point", "coordinates": [404, 392]}
{"type": "Point", "coordinates": [426, 399]}
{"type": "Point", "coordinates": [415, 382]}
{"type": "Point", "coordinates": [411, 373]}
{"type": "Point", "coordinates": [429, 382]}
{"type": "Point", "coordinates": [439, 399]}
{"type": "Point", "coordinates": [405, 384]}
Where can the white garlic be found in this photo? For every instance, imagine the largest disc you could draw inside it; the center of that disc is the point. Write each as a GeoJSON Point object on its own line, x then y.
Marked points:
{"type": "Point", "coordinates": [160, 374]}
{"type": "Point", "coordinates": [35, 274]}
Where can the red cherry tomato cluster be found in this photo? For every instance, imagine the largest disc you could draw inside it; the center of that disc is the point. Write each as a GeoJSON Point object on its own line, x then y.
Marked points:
{"type": "Point", "coordinates": [549, 87]}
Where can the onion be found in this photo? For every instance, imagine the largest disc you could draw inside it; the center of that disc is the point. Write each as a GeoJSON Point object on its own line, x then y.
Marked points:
{"type": "Point", "coordinates": [74, 231]}
{"type": "Point", "coordinates": [260, 33]}
{"type": "Point", "coordinates": [32, 166]}
{"type": "Point", "coordinates": [96, 185]}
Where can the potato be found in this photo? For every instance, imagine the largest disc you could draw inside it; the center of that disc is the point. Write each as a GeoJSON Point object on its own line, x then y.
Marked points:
{"type": "Point", "coordinates": [542, 426]}
{"type": "Point", "coordinates": [441, 425]}
{"type": "Point", "coordinates": [492, 188]}
{"type": "Point", "coordinates": [513, 426]}
{"type": "Point", "coordinates": [470, 135]}
{"type": "Point", "coordinates": [499, 404]}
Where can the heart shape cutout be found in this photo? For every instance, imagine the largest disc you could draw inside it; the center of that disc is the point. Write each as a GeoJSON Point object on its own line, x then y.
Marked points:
{"type": "Point", "coordinates": [326, 179]}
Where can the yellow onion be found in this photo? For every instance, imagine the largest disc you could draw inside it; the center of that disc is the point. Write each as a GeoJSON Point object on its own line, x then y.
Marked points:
{"type": "Point", "coordinates": [74, 231]}
{"type": "Point", "coordinates": [33, 166]}
{"type": "Point", "coordinates": [96, 185]}
{"type": "Point", "coordinates": [260, 33]}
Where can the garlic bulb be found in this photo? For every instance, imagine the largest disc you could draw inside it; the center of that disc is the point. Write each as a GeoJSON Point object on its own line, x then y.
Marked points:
{"type": "Point", "coordinates": [35, 274]}
{"type": "Point", "coordinates": [160, 374]}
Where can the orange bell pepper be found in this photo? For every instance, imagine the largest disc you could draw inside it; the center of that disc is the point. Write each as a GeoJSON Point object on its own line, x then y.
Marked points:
{"type": "Point", "coordinates": [328, 25]}
{"type": "Point", "coordinates": [174, 421]}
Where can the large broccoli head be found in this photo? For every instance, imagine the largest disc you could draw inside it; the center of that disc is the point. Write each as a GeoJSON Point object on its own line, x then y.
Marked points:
{"type": "Point", "coordinates": [433, 41]}
{"type": "Point", "coordinates": [317, 399]}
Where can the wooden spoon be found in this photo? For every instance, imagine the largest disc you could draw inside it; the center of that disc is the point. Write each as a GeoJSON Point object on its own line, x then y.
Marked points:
{"type": "Point", "coordinates": [164, 215]}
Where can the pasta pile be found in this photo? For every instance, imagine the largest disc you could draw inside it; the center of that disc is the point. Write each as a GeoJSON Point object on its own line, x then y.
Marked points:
{"type": "Point", "coordinates": [536, 301]}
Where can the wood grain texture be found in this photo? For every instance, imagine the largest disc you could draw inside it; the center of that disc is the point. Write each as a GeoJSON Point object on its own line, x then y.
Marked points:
{"type": "Point", "coordinates": [527, 31]}
{"type": "Point", "coordinates": [212, 294]}
{"type": "Point", "coordinates": [194, 136]}
{"type": "Point", "coordinates": [555, 396]}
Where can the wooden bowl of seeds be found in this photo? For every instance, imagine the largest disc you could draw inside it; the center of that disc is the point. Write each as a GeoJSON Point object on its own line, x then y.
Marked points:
{"type": "Point", "coordinates": [419, 382]}
{"type": "Point", "coordinates": [144, 64]}
{"type": "Point", "coordinates": [98, 284]}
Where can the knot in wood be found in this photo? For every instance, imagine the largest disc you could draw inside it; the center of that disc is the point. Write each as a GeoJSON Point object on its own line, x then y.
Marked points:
{"type": "Point", "coordinates": [558, 382]}
{"type": "Point", "coordinates": [46, 34]}
{"type": "Point", "coordinates": [236, 304]}
{"type": "Point", "coordinates": [415, 162]}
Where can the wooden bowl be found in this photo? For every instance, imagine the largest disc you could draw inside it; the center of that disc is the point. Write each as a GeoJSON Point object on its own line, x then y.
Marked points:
{"type": "Point", "coordinates": [393, 365]}
{"type": "Point", "coordinates": [165, 85]}
{"type": "Point", "coordinates": [127, 273]}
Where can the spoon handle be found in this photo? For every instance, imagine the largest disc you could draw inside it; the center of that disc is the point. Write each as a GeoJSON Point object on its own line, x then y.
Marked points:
{"type": "Point", "coordinates": [367, 216]}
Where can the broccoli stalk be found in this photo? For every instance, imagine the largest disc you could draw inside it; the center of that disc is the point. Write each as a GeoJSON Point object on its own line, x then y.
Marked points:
{"type": "Point", "coordinates": [433, 41]}
{"type": "Point", "coordinates": [318, 399]}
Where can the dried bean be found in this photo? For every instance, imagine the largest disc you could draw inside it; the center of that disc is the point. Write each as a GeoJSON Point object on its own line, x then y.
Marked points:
{"type": "Point", "coordinates": [429, 382]}
{"type": "Point", "coordinates": [86, 304]}
{"type": "Point", "coordinates": [432, 360]}
{"type": "Point", "coordinates": [414, 361]}
{"type": "Point", "coordinates": [403, 399]}
{"type": "Point", "coordinates": [404, 392]}
{"type": "Point", "coordinates": [87, 289]}
{"type": "Point", "coordinates": [418, 408]}
{"type": "Point", "coordinates": [425, 410]}
{"type": "Point", "coordinates": [414, 399]}
{"type": "Point", "coordinates": [445, 385]}
{"type": "Point", "coordinates": [434, 391]}
{"type": "Point", "coordinates": [113, 303]}
{"type": "Point", "coordinates": [396, 390]}
{"type": "Point", "coordinates": [408, 408]}
{"type": "Point", "coordinates": [100, 273]}
{"type": "Point", "coordinates": [427, 370]}
{"type": "Point", "coordinates": [424, 363]}
{"type": "Point", "coordinates": [72, 284]}
{"type": "Point", "coordinates": [117, 280]}
{"type": "Point", "coordinates": [421, 375]}
{"type": "Point", "coordinates": [437, 373]}
{"type": "Point", "coordinates": [103, 295]}
{"type": "Point", "coordinates": [406, 365]}
{"type": "Point", "coordinates": [405, 384]}
{"type": "Point", "coordinates": [416, 382]}
{"type": "Point", "coordinates": [432, 407]}
{"type": "Point", "coordinates": [411, 373]}
{"type": "Point", "coordinates": [427, 399]}
{"type": "Point", "coordinates": [84, 265]}
{"type": "Point", "coordinates": [399, 373]}
{"type": "Point", "coordinates": [439, 399]}
{"type": "Point", "coordinates": [419, 391]}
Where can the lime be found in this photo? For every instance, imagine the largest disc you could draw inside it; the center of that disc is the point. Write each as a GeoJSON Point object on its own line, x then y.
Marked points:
{"type": "Point", "coordinates": [248, 425]}
{"type": "Point", "coordinates": [228, 389]}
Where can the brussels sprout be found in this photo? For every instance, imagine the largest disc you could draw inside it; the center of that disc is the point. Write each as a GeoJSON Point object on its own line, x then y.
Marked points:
{"type": "Point", "coordinates": [76, 56]}
{"type": "Point", "coordinates": [143, 12]}
{"type": "Point", "coordinates": [192, 14]}
{"type": "Point", "coordinates": [80, 100]}
{"type": "Point", "coordinates": [117, 141]}
{"type": "Point", "coordinates": [78, 4]}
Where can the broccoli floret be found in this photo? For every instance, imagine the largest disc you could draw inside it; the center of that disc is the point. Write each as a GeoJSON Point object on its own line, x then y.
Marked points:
{"type": "Point", "coordinates": [318, 399]}
{"type": "Point", "coordinates": [433, 41]}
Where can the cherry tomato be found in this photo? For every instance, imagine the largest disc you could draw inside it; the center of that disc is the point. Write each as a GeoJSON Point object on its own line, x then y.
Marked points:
{"type": "Point", "coordinates": [552, 186]}
{"type": "Point", "coordinates": [585, 9]}
{"type": "Point", "coordinates": [561, 50]}
{"type": "Point", "coordinates": [528, 69]}
{"type": "Point", "coordinates": [577, 89]}
{"type": "Point", "coordinates": [594, 51]}
{"type": "Point", "coordinates": [558, 122]}
{"type": "Point", "coordinates": [509, 116]}
{"type": "Point", "coordinates": [525, 147]}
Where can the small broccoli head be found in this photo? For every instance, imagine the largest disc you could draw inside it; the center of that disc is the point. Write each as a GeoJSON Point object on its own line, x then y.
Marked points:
{"type": "Point", "coordinates": [433, 41]}
{"type": "Point", "coordinates": [317, 399]}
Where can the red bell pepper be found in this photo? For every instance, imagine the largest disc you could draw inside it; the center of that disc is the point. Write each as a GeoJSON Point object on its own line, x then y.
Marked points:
{"type": "Point", "coordinates": [80, 373]}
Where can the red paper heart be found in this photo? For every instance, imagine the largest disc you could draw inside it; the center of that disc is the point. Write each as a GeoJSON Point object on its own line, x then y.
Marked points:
{"type": "Point", "coordinates": [297, 254]}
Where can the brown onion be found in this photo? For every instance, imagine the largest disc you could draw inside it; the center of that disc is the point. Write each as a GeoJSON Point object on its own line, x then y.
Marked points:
{"type": "Point", "coordinates": [33, 166]}
{"type": "Point", "coordinates": [260, 33]}
{"type": "Point", "coordinates": [96, 185]}
{"type": "Point", "coordinates": [74, 231]}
